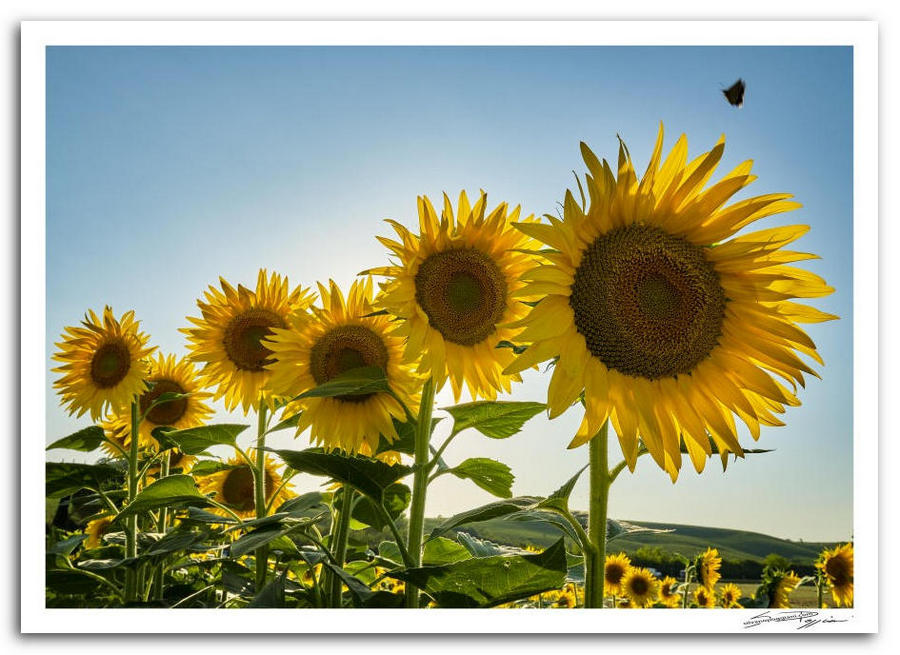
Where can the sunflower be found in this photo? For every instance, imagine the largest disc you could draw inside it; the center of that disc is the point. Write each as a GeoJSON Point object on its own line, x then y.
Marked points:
{"type": "Point", "coordinates": [837, 566]}
{"type": "Point", "coordinates": [614, 571]}
{"type": "Point", "coordinates": [780, 586]}
{"type": "Point", "coordinates": [104, 364]}
{"type": "Point", "coordinates": [704, 597]}
{"type": "Point", "coordinates": [668, 323]}
{"type": "Point", "coordinates": [228, 337]}
{"type": "Point", "coordinates": [95, 530]}
{"type": "Point", "coordinates": [731, 594]}
{"type": "Point", "coordinates": [327, 341]}
{"type": "Point", "coordinates": [234, 486]}
{"type": "Point", "coordinates": [640, 587]}
{"type": "Point", "coordinates": [668, 596]}
{"type": "Point", "coordinates": [455, 287]}
{"type": "Point", "coordinates": [707, 565]}
{"type": "Point", "coordinates": [166, 375]}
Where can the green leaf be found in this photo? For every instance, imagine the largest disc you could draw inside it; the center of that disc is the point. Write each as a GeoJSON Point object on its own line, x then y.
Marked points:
{"type": "Point", "coordinates": [369, 476]}
{"type": "Point", "coordinates": [272, 595]}
{"type": "Point", "coordinates": [478, 547]}
{"type": "Point", "coordinates": [490, 581]}
{"type": "Point", "coordinates": [164, 398]}
{"type": "Point", "coordinates": [64, 479]}
{"type": "Point", "coordinates": [620, 528]}
{"type": "Point", "coordinates": [494, 477]}
{"type": "Point", "coordinates": [509, 344]}
{"type": "Point", "coordinates": [355, 382]}
{"type": "Point", "coordinates": [406, 437]}
{"type": "Point", "coordinates": [390, 551]}
{"type": "Point", "coordinates": [84, 440]}
{"type": "Point", "coordinates": [306, 504]}
{"type": "Point", "coordinates": [443, 551]}
{"type": "Point", "coordinates": [546, 516]}
{"type": "Point", "coordinates": [359, 591]}
{"type": "Point", "coordinates": [559, 499]}
{"type": "Point", "coordinates": [494, 419]}
{"type": "Point", "coordinates": [395, 501]}
{"type": "Point", "coordinates": [269, 533]}
{"type": "Point", "coordinates": [209, 466]}
{"type": "Point", "coordinates": [172, 491]}
{"type": "Point", "coordinates": [72, 582]}
{"type": "Point", "coordinates": [176, 540]}
{"type": "Point", "coordinates": [289, 422]}
{"type": "Point", "coordinates": [194, 441]}
{"type": "Point", "coordinates": [66, 546]}
{"type": "Point", "coordinates": [485, 512]}
{"type": "Point", "coordinates": [202, 516]}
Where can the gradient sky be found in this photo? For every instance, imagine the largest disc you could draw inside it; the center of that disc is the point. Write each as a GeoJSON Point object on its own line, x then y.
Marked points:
{"type": "Point", "coordinates": [170, 166]}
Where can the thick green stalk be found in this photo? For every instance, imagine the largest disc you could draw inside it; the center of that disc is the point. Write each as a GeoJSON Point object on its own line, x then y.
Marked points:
{"type": "Point", "coordinates": [259, 480]}
{"type": "Point", "coordinates": [339, 545]}
{"type": "Point", "coordinates": [131, 527]}
{"type": "Point", "coordinates": [595, 556]}
{"type": "Point", "coordinates": [420, 485]}
{"type": "Point", "coordinates": [161, 527]}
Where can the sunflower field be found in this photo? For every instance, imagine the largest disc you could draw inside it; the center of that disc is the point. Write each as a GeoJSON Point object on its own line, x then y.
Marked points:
{"type": "Point", "coordinates": [650, 309]}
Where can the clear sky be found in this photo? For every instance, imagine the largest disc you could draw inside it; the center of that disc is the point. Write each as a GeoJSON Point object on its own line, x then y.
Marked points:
{"type": "Point", "coordinates": [170, 166]}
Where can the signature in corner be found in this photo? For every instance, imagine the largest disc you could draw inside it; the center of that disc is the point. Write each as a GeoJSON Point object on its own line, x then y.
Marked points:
{"type": "Point", "coordinates": [804, 618]}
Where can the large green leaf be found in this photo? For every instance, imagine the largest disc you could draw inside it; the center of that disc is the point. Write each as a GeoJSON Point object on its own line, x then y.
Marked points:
{"type": "Point", "coordinates": [84, 440]}
{"type": "Point", "coordinates": [289, 422]}
{"type": "Point", "coordinates": [355, 382]}
{"type": "Point", "coordinates": [559, 499]}
{"type": "Point", "coordinates": [210, 466]}
{"type": "Point", "coordinates": [494, 419]}
{"type": "Point", "coordinates": [64, 478]}
{"type": "Point", "coordinates": [172, 491]}
{"type": "Point", "coordinates": [443, 551]}
{"type": "Point", "coordinates": [478, 547]}
{"type": "Point", "coordinates": [621, 528]}
{"type": "Point", "coordinates": [406, 437]}
{"type": "Point", "coordinates": [490, 581]}
{"type": "Point", "coordinates": [494, 477]}
{"type": "Point", "coordinates": [269, 533]}
{"type": "Point", "coordinates": [369, 476]}
{"type": "Point", "coordinates": [272, 595]}
{"type": "Point", "coordinates": [193, 441]}
{"type": "Point", "coordinates": [485, 512]}
{"type": "Point", "coordinates": [395, 500]}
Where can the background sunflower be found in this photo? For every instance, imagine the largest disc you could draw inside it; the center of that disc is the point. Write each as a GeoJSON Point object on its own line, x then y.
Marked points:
{"type": "Point", "coordinates": [234, 487]}
{"type": "Point", "coordinates": [837, 566]}
{"type": "Point", "coordinates": [614, 571]}
{"type": "Point", "coordinates": [640, 587]}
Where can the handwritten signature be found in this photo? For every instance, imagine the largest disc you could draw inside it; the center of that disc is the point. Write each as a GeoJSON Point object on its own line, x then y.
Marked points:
{"type": "Point", "coordinates": [804, 618]}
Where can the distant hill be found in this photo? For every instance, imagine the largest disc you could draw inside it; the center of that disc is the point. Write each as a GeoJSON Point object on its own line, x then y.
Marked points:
{"type": "Point", "coordinates": [686, 539]}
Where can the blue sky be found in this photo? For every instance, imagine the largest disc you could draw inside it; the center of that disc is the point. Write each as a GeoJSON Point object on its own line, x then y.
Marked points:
{"type": "Point", "coordinates": [170, 166]}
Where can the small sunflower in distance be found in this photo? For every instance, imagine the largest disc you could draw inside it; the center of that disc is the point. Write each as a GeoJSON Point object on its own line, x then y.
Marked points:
{"type": "Point", "coordinates": [707, 565]}
{"type": "Point", "coordinates": [669, 323]}
{"type": "Point", "coordinates": [837, 566]}
{"type": "Point", "coordinates": [704, 597]}
{"type": "Point", "coordinates": [327, 341]}
{"type": "Point", "coordinates": [228, 337]}
{"type": "Point", "coordinates": [731, 594]}
{"type": "Point", "coordinates": [455, 286]}
{"type": "Point", "coordinates": [103, 364]}
{"type": "Point", "coordinates": [668, 595]}
{"type": "Point", "coordinates": [614, 571]}
{"type": "Point", "coordinates": [640, 587]}
{"type": "Point", "coordinates": [781, 585]}
{"type": "Point", "coordinates": [95, 530]}
{"type": "Point", "coordinates": [234, 487]}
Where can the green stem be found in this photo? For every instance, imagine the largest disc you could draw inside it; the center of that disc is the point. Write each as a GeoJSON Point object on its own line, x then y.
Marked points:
{"type": "Point", "coordinates": [595, 556]}
{"type": "Point", "coordinates": [339, 545]}
{"type": "Point", "coordinates": [420, 486]}
{"type": "Point", "coordinates": [161, 527]}
{"type": "Point", "coordinates": [820, 589]}
{"type": "Point", "coordinates": [259, 479]}
{"type": "Point", "coordinates": [131, 527]}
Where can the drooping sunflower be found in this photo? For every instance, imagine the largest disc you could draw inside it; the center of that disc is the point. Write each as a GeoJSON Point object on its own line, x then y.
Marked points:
{"type": "Point", "coordinates": [166, 375]}
{"type": "Point", "coordinates": [668, 595]}
{"type": "Point", "coordinates": [103, 363]}
{"type": "Point", "coordinates": [614, 571]}
{"type": "Point", "coordinates": [95, 530]}
{"type": "Point", "coordinates": [669, 323]}
{"type": "Point", "coordinates": [455, 286]}
{"type": "Point", "coordinates": [780, 586]}
{"type": "Point", "coordinates": [640, 587]}
{"type": "Point", "coordinates": [704, 597]}
{"type": "Point", "coordinates": [331, 339]}
{"type": "Point", "coordinates": [707, 565]}
{"type": "Point", "coordinates": [234, 487]}
{"type": "Point", "coordinates": [731, 594]}
{"type": "Point", "coordinates": [228, 337]}
{"type": "Point", "coordinates": [837, 565]}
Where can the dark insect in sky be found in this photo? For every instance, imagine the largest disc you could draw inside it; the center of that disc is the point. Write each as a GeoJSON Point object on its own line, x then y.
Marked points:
{"type": "Point", "coordinates": [735, 93]}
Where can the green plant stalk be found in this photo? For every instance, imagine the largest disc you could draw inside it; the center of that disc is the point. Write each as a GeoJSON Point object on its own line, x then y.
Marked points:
{"type": "Point", "coordinates": [420, 486]}
{"type": "Point", "coordinates": [259, 481]}
{"type": "Point", "coordinates": [161, 527]}
{"type": "Point", "coordinates": [820, 591]}
{"type": "Point", "coordinates": [339, 547]}
{"type": "Point", "coordinates": [595, 555]}
{"type": "Point", "coordinates": [131, 527]}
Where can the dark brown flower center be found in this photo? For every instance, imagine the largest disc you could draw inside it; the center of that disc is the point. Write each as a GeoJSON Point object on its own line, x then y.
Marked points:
{"type": "Point", "coordinates": [463, 293]}
{"type": "Point", "coordinates": [648, 303]}
{"type": "Point", "coordinates": [838, 570]}
{"type": "Point", "coordinates": [110, 364]}
{"type": "Point", "coordinates": [639, 586]}
{"type": "Point", "coordinates": [344, 348]}
{"type": "Point", "coordinates": [166, 413]}
{"type": "Point", "coordinates": [614, 573]}
{"type": "Point", "coordinates": [238, 490]}
{"type": "Point", "coordinates": [244, 335]}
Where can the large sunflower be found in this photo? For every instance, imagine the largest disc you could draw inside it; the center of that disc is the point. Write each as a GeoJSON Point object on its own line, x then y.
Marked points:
{"type": "Point", "coordinates": [668, 594]}
{"type": "Point", "coordinates": [669, 323]}
{"type": "Point", "coordinates": [640, 587]}
{"type": "Point", "coordinates": [234, 486]}
{"type": "Point", "coordinates": [166, 375]}
{"type": "Point", "coordinates": [455, 287]}
{"type": "Point", "coordinates": [103, 364]}
{"type": "Point", "coordinates": [708, 565]}
{"type": "Point", "coordinates": [332, 339]}
{"type": "Point", "coordinates": [837, 565]}
{"type": "Point", "coordinates": [614, 570]}
{"type": "Point", "coordinates": [228, 338]}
